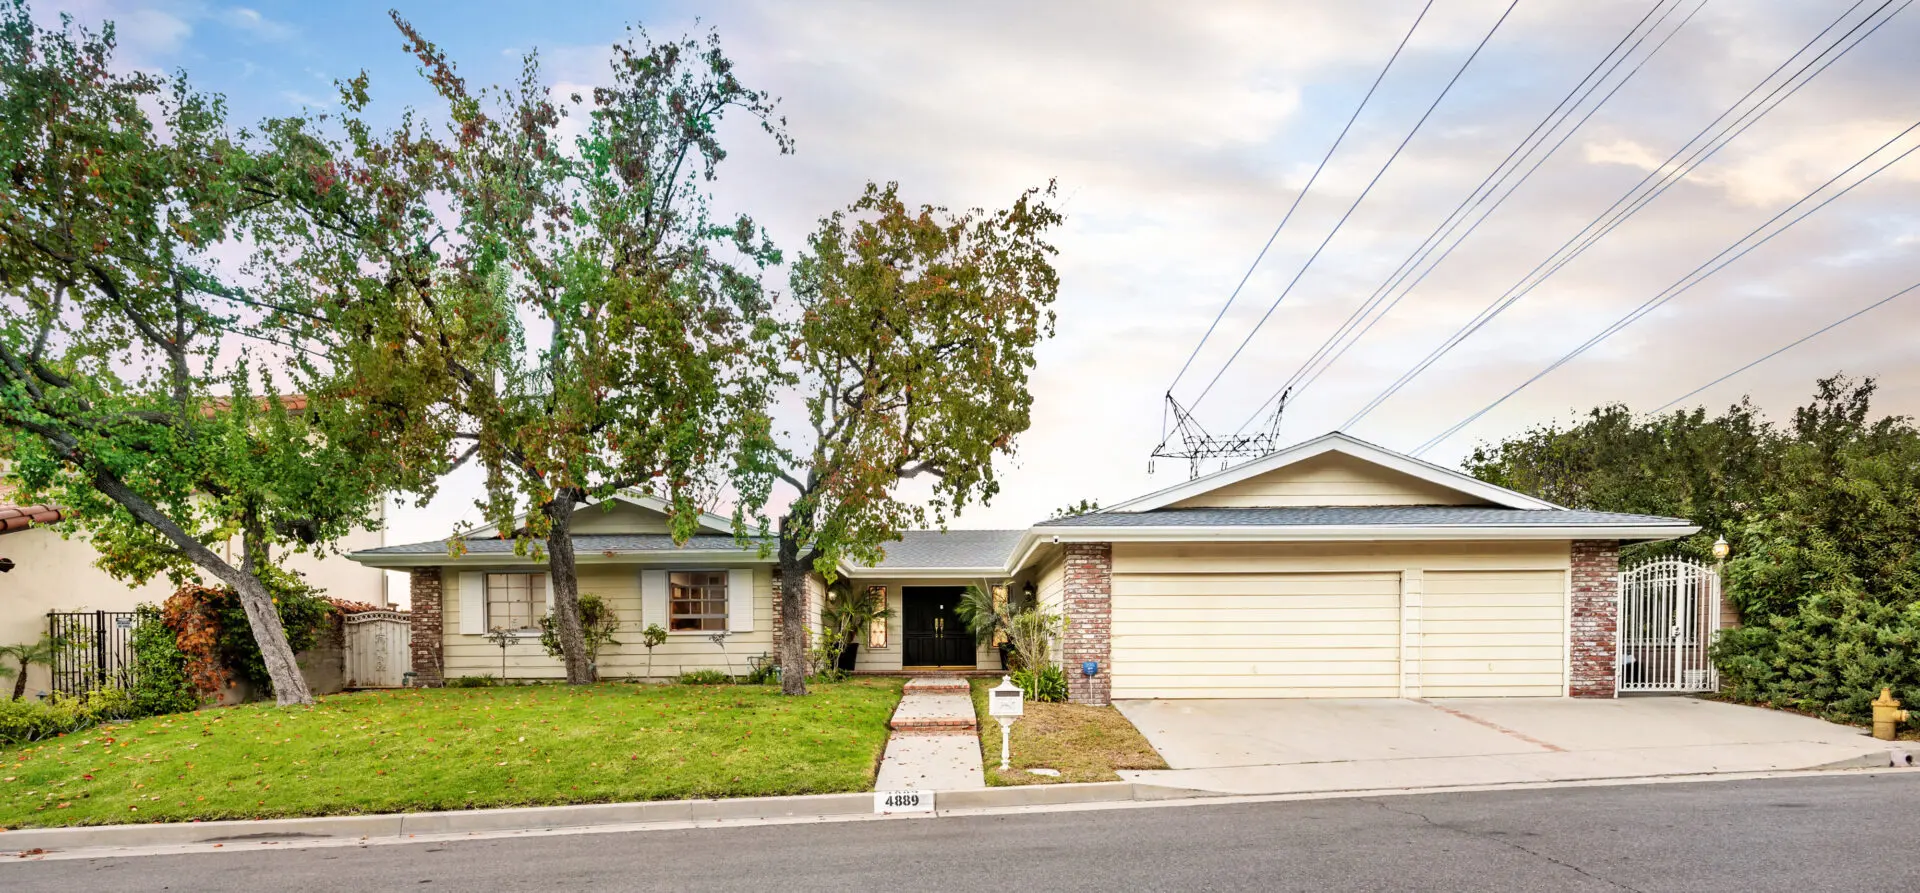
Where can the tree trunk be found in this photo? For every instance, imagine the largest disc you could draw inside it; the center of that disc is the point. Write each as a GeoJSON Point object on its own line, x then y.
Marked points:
{"type": "Point", "coordinates": [263, 618]}
{"type": "Point", "coordinates": [793, 616]}
{"type": "Point", "coordinates": [20, 682]}
{"type": "Point", "coordinates": [566, 589]}
{"type": "Point", "coordinates": [289, 687]}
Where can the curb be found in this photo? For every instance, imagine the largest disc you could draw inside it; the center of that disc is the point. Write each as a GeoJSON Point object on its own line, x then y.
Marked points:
{"type": "Point", "coordinates": [545, 818]}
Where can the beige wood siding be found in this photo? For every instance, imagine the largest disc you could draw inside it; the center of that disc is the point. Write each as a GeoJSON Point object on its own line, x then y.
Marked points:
{"type": "Point", "coordinates": [1202, 620]}
{"type": "Point", "coordinates": [1276, 635]}
{"type": "Point", "coordinates": [619, 517]}
{"type": "Point", "coordinates": [620, 585]}
{"type": "Point", "coordinates": [1329, 479]}
{"type": "Point", "coordinates": [1493, 633]}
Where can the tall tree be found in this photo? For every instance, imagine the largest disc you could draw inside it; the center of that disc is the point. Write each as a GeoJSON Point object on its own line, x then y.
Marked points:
{"type": "Point", "coordinates": [138, 386]}
{"type": "Point", "coordinates": [1688, 464]}
{"type": "Point", "coordinates": [594, 326]}
{"type": "Point", "coordinates": [913, 348]}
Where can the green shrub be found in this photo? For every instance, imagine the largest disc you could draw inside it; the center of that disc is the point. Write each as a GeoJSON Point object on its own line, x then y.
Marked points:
{"type": "Point", "coordinates": [160, 683]}
{"type": "Point", "coordinates": [481, 681]}
{"type": "Point", "coordinates": [598, 623]}
{"type": "Point", "coordinates": [1047, 685]}
{"type": "Point", "coordinates": [1830, 657]}
{"type": "Point", "coordinates": [704, 677]}
{"type": "Point", "coordinates": [23, 722]}
{"type": "Point", "coordinates": [764, 673]}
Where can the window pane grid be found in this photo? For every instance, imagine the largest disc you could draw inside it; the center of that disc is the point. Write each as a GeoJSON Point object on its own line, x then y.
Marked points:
{"type": "Point", "coordinates": [697, 601]}
{"type": "Point", "coordinates": [516, 601]}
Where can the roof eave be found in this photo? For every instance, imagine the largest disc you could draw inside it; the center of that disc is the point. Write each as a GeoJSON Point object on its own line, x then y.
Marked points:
{"type": "Point", "coordinates": [922, 573]}
{"type": "Point", "coordinates": [403, 560]}
{"type": "Point", "coordinates": [1368, 532]}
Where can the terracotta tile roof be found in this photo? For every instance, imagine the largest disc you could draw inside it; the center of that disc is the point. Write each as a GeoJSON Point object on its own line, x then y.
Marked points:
{"type": "Point", "coordinates": [295, 403]}
{"type": "Point", "coordinates": [15, 518]}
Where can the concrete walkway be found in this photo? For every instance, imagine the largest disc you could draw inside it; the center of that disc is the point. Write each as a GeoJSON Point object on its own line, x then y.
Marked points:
{"type": "Point", "coordinates": [1298, 746]}
{"type": "Point", "coordinates": [935, 745]}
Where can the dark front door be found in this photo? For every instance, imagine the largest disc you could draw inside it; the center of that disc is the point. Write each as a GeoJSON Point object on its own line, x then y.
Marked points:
{"type": "Point", "coordinates": [935, 637]}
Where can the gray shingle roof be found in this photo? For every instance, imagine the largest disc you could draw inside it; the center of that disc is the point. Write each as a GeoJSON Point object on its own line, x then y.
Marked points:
{"type": "Point", "coordinates": [951, 549]}
{"type": "Point", "coordinates": [1369, 515]}
{"type": "Point", "coordinates": [917, 548]}
{"type": "Point", "coordinates": [582, 542]}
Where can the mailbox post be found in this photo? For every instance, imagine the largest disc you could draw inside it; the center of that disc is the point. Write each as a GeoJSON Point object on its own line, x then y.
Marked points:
{"type": "Point", "coordinates": [1006, 703]}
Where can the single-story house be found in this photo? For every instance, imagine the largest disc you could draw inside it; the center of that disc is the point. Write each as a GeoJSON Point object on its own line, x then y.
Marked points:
{"type": "Point", "coordinates": [1334, 568]}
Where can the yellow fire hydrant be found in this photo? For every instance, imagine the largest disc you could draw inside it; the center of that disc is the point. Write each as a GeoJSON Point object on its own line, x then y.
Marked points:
{"type": "Point", "coordinates": [1886, 715]}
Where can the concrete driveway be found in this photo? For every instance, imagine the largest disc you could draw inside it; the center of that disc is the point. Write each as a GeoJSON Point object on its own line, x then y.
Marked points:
{"type": "Point", "coordinates": [1286, 746]}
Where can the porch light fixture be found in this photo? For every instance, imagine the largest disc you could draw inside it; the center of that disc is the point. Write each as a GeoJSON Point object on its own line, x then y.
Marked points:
{"type": "Point", "coordinates": [1720, 549]}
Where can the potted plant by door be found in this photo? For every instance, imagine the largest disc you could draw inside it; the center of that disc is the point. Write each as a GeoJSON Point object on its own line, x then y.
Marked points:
{"type": "Point", "coordinates": [848, 614]}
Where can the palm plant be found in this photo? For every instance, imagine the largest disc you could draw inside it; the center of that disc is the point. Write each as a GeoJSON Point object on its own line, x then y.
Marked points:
{"type": "Point", "coordinates": [26, 655]}
{"type": "Point", "coordinates": [983, 617]}
{"type": "Point", "coordinates": [845, 614]}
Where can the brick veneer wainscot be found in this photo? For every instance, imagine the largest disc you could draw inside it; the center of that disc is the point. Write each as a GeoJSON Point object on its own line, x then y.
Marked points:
{"type": "Point", "coordinates": [429, 653]}
{"type": "Point", "coordinates": [1089, 607]}
{"type": "Point", "coordinates": [1596, 617]}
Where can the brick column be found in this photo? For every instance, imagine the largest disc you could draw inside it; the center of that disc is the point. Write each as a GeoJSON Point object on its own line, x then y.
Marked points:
{"type": "Point", "coordinates": [429, 660]}
{"type": "Point", "coordinates": [1089, 610]}
{"type": "Point", "coordinates": [806, 607]}
{"type": "Point", "coordinates": [1596, 617]}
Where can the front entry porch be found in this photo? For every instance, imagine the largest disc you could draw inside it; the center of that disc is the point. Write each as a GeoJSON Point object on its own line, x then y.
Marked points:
{"type": "Point", "coordinates": [924, 635]}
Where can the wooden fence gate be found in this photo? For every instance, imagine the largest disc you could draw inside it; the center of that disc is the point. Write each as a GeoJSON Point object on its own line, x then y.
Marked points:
{"type": "Point", "coordinates": [379, 649]}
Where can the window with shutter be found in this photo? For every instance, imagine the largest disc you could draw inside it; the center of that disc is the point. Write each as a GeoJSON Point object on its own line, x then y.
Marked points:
{"type": "Point", "coordinates": [697, 601]}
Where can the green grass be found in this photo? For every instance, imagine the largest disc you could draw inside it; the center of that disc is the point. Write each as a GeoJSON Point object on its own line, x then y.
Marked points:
{"type": "Point", "coordinates": [1084, 743]}
{"type": "Point", "coordinates": [438, 749]}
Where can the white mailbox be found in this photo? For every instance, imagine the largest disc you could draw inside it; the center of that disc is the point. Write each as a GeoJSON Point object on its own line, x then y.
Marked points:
{"type": "Point", "coordinates": [1006, 699]}
{"type": "Point", "coordinates": [1006, 703]}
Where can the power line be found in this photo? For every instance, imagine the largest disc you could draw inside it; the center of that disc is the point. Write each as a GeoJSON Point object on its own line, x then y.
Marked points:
{"type": "Point", "coordinates": [1697, 275]}
{"type": "Point", "coordinates": [1809, 337]}
{"type": "Point", "coordinates": [1356, 204]}
{"type": "Point", "coordinates": [1635, 199]}
{"type": "Point", "coordinates": [1495, 179]}
{"type": "Point", "coordinates": [1301, 195]}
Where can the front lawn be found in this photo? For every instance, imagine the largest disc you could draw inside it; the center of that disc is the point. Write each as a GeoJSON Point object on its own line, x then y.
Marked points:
{"type": "Point", "coordinates": [1084, 743]}
{"type": "Point", "coordinates": [439, 749]}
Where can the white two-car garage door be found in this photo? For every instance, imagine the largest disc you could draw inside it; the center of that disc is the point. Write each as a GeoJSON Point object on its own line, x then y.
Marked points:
{"type": "Point", "coordinates": [1337, 634]}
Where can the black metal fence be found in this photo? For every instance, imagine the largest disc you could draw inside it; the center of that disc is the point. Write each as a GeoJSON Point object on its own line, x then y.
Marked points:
{"type": "Point", "coordinates": [95, 649]}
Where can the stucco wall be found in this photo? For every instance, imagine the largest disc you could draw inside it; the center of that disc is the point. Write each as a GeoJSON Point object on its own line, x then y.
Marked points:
{"type": "Point", "coordinates": [55, 574]}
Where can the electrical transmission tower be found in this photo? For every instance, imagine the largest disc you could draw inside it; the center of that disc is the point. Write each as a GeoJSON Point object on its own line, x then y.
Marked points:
{"type": "Point", "coordinates": [1197, 446]}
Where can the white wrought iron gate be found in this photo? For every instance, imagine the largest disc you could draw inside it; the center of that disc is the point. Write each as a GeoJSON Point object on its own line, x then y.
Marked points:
{"type": "Point", "coordinates": [1669, 616]}
{"type": "Point", "coordinates": [379, 649]}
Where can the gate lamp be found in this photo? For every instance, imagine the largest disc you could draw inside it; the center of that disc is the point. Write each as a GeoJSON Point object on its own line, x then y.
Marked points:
{"type": "Point", "coordinates": [1721, 549]}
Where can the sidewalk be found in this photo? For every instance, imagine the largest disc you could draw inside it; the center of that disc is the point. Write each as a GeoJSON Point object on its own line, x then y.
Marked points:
{"type": "Point", "coordinates": [935, 745]}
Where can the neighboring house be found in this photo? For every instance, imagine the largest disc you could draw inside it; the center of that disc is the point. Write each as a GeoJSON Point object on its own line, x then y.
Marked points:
{"type": "Point", "coordinates": [1334, 568]}
{"type": "Point", "coordinates": [51, 573]}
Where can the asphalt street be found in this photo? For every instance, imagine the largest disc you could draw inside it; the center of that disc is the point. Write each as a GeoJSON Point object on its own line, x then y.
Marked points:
{"type": "Point", "coordinates": [1852, 833]}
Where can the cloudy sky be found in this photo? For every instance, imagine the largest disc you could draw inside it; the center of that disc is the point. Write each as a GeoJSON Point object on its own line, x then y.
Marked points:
{"type": "Point", "coordinates": [1181, 133]}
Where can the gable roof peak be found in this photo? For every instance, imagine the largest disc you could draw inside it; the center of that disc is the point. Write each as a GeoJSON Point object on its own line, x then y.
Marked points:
{"type": "Point", "coordinates": [1345, 444]}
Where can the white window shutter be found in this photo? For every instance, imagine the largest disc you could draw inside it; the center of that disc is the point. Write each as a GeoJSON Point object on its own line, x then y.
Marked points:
{"type": "Point", "coordinates": [473, 604]}
{"type": "Point", "coordinates": [740, 600]}
{"type": "Point", "coordinates": [653, 598]}
{"type": "Point", "coordinates": [548, 607]}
